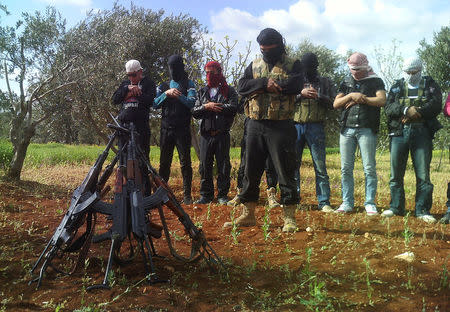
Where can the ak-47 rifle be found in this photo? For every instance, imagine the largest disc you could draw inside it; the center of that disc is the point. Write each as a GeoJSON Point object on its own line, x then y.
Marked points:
{"type": "Point", "coordinates": [83, 198]}
{"type": "Point", "coordinates": [129, 214]}
{"type": "Point", "coordinates": [200, 247]}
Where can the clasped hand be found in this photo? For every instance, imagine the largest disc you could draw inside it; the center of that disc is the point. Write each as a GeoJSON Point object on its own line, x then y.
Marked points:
{"type": "Point", "coordinates": [411, 115]}
{"type": "Point", "coordinates": [309, 93]}
{"type": "Point", "coordinates": [214, 107]}
{"type": "Point", "coordinates": [272, 86]}
{"type": "Point", "coordinates": [356, 98]}
{"type": "Point", "coordinates": [173, 93]}
{"type": "Point", "coordinates": [134, 90]}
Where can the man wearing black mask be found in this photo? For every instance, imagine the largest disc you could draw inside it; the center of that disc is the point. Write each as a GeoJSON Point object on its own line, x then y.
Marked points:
{"type": "Point", "coordinates": [136, 97]}
{"type": "Point", "coordinates": [176, 99]}
{"type": "Point", "coordinates": [270, 83]}
{"type": "Point", "coordinates": [312, 105]}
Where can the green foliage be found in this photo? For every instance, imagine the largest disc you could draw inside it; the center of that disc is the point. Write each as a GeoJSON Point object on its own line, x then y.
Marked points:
{"type": "Point", "coordinates": [436, 57]}
{"type": "Point", "coordinates": [102, 43]}
{"type": "Point", "coordinates": [56, 153]}
{"type": "Point", "coordinates": [6, 154]}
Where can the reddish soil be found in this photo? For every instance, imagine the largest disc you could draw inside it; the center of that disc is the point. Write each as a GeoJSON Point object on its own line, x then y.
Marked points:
{"type": "Point", "coordinates": [351, 266]}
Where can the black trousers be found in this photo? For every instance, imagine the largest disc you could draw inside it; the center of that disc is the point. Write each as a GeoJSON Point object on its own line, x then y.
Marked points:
{"type": "Point", "coordinates": [271, 175]}
{"type": "Point", "coordinates": [217, 147]}
{"type": "Point", "coordinates": [274, 138]}
{"type": "Point", "coordinates": [181, 138]}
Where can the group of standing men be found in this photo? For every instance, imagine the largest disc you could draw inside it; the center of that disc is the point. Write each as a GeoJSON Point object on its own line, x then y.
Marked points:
{"type": "Point", "coordinates": [286, 103]}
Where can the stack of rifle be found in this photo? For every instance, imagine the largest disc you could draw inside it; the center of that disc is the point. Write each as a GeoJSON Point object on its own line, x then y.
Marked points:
{"type": "Point", "coordinates": [138, 192]}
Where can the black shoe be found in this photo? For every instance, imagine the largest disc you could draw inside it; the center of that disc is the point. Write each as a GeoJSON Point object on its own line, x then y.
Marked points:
{"type": "Point", "coordinates": [223, 200]}
{"type": "Point", "coordinates": [187, 200]}
{"type": "Point", "coordinates": [445, 219]}
{"type": "Point", "coordinates": [203, 200]}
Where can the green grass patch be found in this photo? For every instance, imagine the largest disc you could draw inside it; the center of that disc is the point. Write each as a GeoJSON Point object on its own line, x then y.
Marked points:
{"type": "Point", "coordinates": [51, 154]}
{"type": "Point", "coordinates": [6, 154]}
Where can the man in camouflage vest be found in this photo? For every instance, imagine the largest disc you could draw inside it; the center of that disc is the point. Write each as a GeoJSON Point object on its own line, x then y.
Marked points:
{"type": "Point", "coordinates": [311, 109]}
{"type": "Point", "coordinates": [412, 106]}
{"type": "Point", "coordinates": [270, 83]}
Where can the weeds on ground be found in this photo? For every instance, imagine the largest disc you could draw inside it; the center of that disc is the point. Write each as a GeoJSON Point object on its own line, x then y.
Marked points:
{"type": "Point", "coordinates": [407, 233]}
{"type": "Point", "coordinates": [369, 286]}
{"type": "Point", "coordinates": [235, 231]}
{"type": "Point", "coordinates": [443, 282]}
{"type": "Point", "coordinates": [266, 223]}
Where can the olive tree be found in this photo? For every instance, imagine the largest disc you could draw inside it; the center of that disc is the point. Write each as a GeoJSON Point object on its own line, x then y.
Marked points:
{"type": "Point", "coordinates": [105, 40]}
{"type": "Point", "coordinates": [435, 57]}
{"type": "Point", "coordinates": [33, 71]}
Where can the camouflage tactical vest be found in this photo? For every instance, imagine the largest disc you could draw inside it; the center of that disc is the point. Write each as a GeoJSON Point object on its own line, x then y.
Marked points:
{"type": "Point", "coordinates": [271, 105]}
{"type": "Point", "coordinates": [406, 100]}
{"type": "Point", "coordinates": [309, 110]}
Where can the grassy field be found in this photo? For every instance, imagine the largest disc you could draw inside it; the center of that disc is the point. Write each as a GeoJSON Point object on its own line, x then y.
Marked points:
{"type": "Point", "coordinates": [63, 155]}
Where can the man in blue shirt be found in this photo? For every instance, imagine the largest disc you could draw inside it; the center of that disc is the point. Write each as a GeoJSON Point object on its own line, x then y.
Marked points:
{"type": "Point", "coordinates": [176, 99]}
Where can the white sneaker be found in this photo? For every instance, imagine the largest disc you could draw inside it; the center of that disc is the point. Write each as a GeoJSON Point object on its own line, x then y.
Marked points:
{"type": "Point", "coordinates": [387, 213]}
{"type": "Point", "coordinates": [371, 209]}
{"type": "Point", "coordinates": [428, 219]}
{"type": "Point", "coordinates": [344, 208]}
{"type": "Point", "coordinates": [327, 208]}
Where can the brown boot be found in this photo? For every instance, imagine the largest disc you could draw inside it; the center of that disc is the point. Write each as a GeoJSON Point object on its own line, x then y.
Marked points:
{"type": "Point", "coordinates": [236, 200]}
{"type": "Point", "coordinates": [272, 198]}
{"type": "Point", "coordinates": [289, 218]}
{"type": "Point", "coordinates": [247, 217]}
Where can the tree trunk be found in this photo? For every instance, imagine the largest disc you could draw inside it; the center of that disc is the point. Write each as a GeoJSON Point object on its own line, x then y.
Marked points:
{"type": "Point", "coordinates": [20, 138]}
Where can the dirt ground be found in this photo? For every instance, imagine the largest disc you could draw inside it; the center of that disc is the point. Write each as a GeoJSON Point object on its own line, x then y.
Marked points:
{"type": "Point", "coordinates": [333, 263]}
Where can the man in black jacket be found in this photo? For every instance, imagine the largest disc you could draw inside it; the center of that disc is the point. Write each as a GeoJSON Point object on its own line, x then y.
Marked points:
{"type": "Point", "coordinates": [216, 106]}
{"type": "Point", "coordinates": [136, 97]}
{"type": "Point", "coordinates": [176, 99]}
{"type": "Point", "coordinates": [412, 106]}
{"type": "Point", "coordinates": [271, 83]}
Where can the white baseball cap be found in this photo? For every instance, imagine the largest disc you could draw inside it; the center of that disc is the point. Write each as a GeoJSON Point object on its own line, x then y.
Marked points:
{"type": "Point", "coordinates": [132, 66]}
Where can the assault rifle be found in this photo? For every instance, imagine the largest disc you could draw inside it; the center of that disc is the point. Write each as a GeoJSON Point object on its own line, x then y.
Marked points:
{"type": "Point", "coordinates": [83, 199]}
{"type": "Point", "coordinates": [130, 213]}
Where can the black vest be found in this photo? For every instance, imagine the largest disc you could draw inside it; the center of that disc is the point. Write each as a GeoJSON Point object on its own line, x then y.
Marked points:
{"type": "Point", "coordinates": [361, 115]}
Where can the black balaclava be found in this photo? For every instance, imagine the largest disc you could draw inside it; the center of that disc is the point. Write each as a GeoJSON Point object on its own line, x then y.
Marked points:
{"type": "Point", "coordinates": [310, 63]}
{"type": "Point", "coordinates": [176, 68]}
{"type": "Point", "coordinates": [270, 36]}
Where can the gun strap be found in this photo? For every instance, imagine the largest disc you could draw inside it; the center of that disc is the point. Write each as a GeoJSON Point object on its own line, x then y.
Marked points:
{"type": "Point", "coordinates": [91, 220]}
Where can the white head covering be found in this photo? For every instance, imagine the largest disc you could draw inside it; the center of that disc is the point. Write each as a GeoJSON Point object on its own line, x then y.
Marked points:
{"type": "Point", "coordinates": [132, 66]}
{"type": "Point", "coordinates": [412, 68]}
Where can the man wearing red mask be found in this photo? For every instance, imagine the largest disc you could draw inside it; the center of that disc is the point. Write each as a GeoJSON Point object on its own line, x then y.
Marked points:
{"type": "Point", "coordinates": [216, 107]}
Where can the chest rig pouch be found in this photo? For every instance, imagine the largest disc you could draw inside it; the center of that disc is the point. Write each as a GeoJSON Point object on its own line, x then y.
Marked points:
{"type": "Point", "coordinates": [409, 100]}
{"type": "Point", "coordinates": [309, 110]}
{"type": "Point", "coordinates": [271, 105]}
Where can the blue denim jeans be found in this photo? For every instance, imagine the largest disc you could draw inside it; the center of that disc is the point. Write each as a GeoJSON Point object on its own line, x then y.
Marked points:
{"type": "Point", "coordinates": [313, 135]}
{"type": "Point", "coordinates": [367, 142]}
{"type": "Point", "coordinates": [418, 141]}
